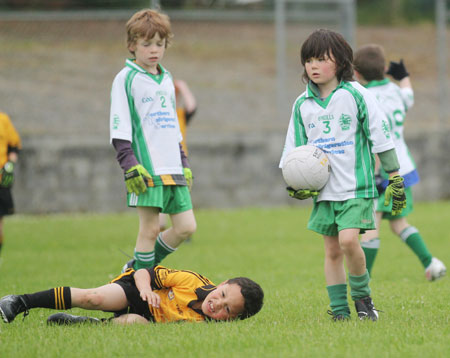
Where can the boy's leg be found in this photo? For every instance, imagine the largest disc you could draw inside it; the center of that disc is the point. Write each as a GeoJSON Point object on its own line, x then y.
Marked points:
{"type": "Point", "coordinates": [183, 226]}
{"type": "Point", "coordinates": [148, 231]}
{"type": "Point", "coordinates": [109, 297]}
{"type": "Point", "coordinates": [411, 236]}
{"type": "Point", "coordinates": [358, 275]}
{"type": "Point", "coordinates": [335, 278]}
{"type": "Point", "coordinates": [370, 244]}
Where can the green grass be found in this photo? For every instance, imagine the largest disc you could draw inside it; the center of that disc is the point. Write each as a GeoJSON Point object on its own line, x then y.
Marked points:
{"type": "Point", "coordinates": [272, 246]}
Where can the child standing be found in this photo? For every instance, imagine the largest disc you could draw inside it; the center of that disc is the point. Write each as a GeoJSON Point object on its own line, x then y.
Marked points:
{"type": "Point", "coordinates": [146, 135]}
{"type": "Point", "coordinates": [395, 100]}
{"type": "Point", "coordinates": [343, 119]}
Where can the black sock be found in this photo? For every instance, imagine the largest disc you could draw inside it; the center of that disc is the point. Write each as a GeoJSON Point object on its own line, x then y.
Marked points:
{"type": "Point", "coordinates": [58, 298]}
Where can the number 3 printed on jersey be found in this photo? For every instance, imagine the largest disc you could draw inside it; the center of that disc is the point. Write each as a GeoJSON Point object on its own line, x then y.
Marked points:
{"type": "Point", "coordinates": [327, 127]}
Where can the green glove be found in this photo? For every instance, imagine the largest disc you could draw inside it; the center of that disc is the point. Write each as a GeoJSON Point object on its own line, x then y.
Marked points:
{"type": "Point", "coordinates": [396, 191]}
{"type": "Point", "coordinates": [189, 178]}
{"type": "Point", "coordinates": [135, 179]}
{"type": "Point", "coordinates": [301, 194]}
{"type": "Point", "coordinates": [7, 175]}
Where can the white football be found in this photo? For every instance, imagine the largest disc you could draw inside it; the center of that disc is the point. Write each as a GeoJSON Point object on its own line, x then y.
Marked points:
{"type": "Point", "coordinates": [306, 167]}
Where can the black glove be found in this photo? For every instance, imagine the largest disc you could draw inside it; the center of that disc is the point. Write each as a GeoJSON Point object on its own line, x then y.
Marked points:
{"type": "Point", "coordinates": [397, 70]}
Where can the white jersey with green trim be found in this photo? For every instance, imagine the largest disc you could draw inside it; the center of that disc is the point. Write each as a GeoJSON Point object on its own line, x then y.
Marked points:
{"type": "Point", "coordinates": [395, 102]}
{"type": "Point", "coordinates": [349, 126]}
{"type": "Point", "coordinates": [143, 112]}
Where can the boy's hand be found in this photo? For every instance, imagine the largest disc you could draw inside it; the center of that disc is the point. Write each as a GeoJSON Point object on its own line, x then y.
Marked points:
{"type": "Point", "coordinates": [151, 297]}
{"type": "Point", "coordinates": [397, 70]}
{"type": "Point", "coordinates": [396, 190]}
{"type": "Point", "coordinates": [135, 179]}
{"type": "Point", "coordinates": [7, 175]}
{"type": "Point", "coordinates": [189, 178]}
{"type": "Point", "coordinates": [301, 194]}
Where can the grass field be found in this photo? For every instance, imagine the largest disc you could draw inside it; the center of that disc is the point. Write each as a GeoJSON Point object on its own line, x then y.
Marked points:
{"type": "Point", "coordinates": [272, 246]}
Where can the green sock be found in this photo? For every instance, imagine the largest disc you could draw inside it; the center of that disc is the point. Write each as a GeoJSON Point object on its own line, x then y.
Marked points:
{"type": "Point", "coordinates": [144, 260]}
{"type": "Point", "coordinates": [415, 242]}
{"type": "Point", "coordinates": [370, 249]}
{"type": "Point", "coordinates": [359, 286]}
{"type": "Point", "coordinates": [338, 299]}
{"type": "Point", "coordinates": [161, 249]}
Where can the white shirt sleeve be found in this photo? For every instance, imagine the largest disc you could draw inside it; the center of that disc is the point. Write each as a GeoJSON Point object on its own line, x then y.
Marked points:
{"type": "Point", "coordinates": [289, 144]}
{"type": "Point", "coordinates": [120, 118]}
{"type": "Point", "coordinates": [380, 133]}
{"type": "Point", "coordinates": [407, 94]}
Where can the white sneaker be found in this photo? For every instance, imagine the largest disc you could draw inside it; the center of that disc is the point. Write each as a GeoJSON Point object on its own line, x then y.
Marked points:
{"type": "Point", "coordinates": [435, 270]}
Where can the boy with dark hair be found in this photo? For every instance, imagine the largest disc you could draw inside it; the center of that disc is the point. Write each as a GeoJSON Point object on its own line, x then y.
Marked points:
{"type": "Point", "coordinates": [343, 119]}
{"type": "Point", "coordinates": [158, 294]}
{"type": "Point", "coordinates": [10, 146]}
{"type": "Point", "coordinates": [145, 132]}
{"type": "Point", "coordinates": [395, 100]}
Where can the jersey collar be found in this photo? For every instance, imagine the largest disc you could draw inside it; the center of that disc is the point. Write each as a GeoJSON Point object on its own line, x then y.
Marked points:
{"type": "Point", "coordinates": [312, 92]}
{"type": "Point", "coordinates": [201, 293]}
{"type": "Point", "coordinates": [377, 83]}
{"type": "Point", "coordinates": [130, 62]}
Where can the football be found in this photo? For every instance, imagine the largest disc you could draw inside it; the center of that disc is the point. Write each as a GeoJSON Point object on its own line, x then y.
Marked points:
{"type": "Point", "coordinates": [306, 167]}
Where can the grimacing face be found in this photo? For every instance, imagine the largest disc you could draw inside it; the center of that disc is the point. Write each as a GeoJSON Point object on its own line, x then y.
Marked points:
{"type": "Point", "coordinates": [224, 303]}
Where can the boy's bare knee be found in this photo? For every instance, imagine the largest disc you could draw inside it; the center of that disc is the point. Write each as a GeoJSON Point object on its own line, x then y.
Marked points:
{"type": "Point", "coordinates": [130, 318]}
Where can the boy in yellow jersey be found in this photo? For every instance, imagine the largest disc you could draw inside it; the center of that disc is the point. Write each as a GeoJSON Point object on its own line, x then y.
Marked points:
{"type": "Point", "coordinates": [158, 294]}
{"type": "Point", "coordinates": [9, 150]}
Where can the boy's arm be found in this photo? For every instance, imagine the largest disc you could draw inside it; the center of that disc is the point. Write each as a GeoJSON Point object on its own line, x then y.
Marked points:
{"type": "Point", "coordinates": [399, 73]}
{"type": "Point", "coordinates": [143, 280]}
{"type": "Point", "coordinates": [135, 173]}
{"type": "Point", "coordinates": [395, 189]}
{"type": "Point", "coordinates": [186, 168]}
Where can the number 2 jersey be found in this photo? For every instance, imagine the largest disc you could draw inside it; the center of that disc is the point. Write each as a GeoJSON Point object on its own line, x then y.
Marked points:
{"type": "Point", "coordinates": [349, 126]}
{"type": "Point", "coordinates": [395, 102]}
{"type": "Point", "coordinates": [143, 112]}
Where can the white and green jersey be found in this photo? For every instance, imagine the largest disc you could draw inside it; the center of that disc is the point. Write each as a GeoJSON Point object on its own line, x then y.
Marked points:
{"type": "Point", "coordinates": [395, 102]}
{"type": "Point", "coordinates": [143, 112]}
{"type": "Point", "coordinates": [349, 127]}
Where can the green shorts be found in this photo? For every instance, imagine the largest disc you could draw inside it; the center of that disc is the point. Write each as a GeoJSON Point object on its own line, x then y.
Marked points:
{"type": "Point", "coordinates": [330, 217]}
{"type": "Point", "coordinates": [171, 199]}
{"type": "Point", "coordinates": [386, 210]}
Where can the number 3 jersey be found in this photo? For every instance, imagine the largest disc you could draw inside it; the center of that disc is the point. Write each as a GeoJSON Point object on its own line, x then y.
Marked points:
{"type": "Point", "coordinates": [143, 112]}
{"type": "Point", "coordinates": [395, 102]}
{"type": "Point", "coordinates": [349, 126]}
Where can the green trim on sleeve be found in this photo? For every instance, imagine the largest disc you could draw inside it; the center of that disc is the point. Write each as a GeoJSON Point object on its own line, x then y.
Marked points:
{"type": "Point", "coordinates": [389, 161]}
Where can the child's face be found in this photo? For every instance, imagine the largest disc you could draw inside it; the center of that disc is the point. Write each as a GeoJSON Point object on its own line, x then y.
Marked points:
{"type": "Point", "coordinates": [224, 303]}
{"type": "Point", "coordinates": [149, 52]}
{"type": "Point", "coordinates": [321, 70]}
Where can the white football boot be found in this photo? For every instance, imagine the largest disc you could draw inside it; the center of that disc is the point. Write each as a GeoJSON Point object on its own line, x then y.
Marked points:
{"type": "Point", "coordinates": [435, 270]}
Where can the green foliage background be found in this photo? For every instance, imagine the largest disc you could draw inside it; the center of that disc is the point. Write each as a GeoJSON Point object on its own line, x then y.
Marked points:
{"type": "Point", "coordinates": [272, 246]}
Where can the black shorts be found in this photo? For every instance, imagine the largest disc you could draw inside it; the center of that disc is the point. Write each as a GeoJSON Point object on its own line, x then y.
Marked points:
{"type": "Point", "coordinates": [135, 303]}
{"type": "Point", "coordinates": [6, 202]}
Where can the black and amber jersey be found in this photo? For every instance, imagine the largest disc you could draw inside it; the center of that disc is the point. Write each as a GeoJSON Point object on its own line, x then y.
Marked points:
{"type": "Point", "coordinates": [179, 291]}
{"type": "Point", "coordinates": [9, 138]}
